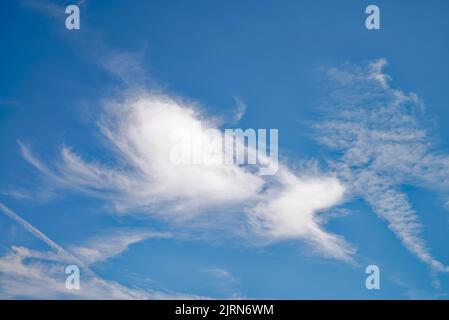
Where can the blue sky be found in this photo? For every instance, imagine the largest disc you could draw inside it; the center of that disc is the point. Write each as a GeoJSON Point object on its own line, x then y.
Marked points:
{"type": "Point", "coordinates": [364, 157]}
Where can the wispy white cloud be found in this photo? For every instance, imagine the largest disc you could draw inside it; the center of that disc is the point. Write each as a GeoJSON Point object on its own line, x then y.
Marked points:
{"type": "Point", "coordinates": [239, 110]}
{"type": "Point", "coordinates": [126, 66]}
{"type": "Point", "coordinates": [111, 244]}
{"type": "Point", "coordinates": [32, 274]}
{"type": "Point", "coordinates": [220, 273]}
{"type": "Point", "coordinates": [289, 211]}
{"type": "Point", "coordinates": [144, 180]}
{"type": "Point", "coordinates": [224, 282]}
{"type": "Point", "coordinates": [382, 143]}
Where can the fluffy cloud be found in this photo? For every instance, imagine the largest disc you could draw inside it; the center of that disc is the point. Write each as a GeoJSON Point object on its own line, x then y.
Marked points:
{"type": "Point", "coordinates": [288, 211]}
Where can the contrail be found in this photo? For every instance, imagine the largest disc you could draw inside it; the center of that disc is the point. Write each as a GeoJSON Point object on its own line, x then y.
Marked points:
{"type": "Point", "coordinates": [32, 229]}
{"type": "Point", "coordinates": [56, 247]}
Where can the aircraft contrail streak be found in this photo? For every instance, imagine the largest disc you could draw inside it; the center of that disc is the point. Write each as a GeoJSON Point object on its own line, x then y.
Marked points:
{"type": "Point", "coordinates": [56, 247]}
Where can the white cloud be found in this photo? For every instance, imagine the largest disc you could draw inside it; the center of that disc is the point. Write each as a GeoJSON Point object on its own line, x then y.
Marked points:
{"type": "Point", "coordinates": [25, 273]}
{"type": "Point", "coordinates": [101, 248]}
{"type": "Point", "coordinates": [126, 66]}
{"type": "Point", "coordinates": [224, 282]}
{"type": "Point", "coordinates": [32, 274]}
{"type": "Point", "coordinates": [141, 132]}
{"type": "Point", "coordinates": [145, 180]}
{"type": "Point", "coordinates": [239, 110]}
{"type": "Point", "coordinates": [289, 209]}
{"type": "Point", "coordinates": [378, 132]}
{"type": "Point", "coordinates": [220, 273]}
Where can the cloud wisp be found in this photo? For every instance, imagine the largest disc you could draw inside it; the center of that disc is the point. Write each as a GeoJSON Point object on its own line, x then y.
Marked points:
{"type": "Point", "coordinates": [379, 135]}
{"type": "Point", "coordinates": [144, 180]}
{"type": "Point", "coordinates": [111, 244]}
{"type": "Point", "coordinates": [33, 274]}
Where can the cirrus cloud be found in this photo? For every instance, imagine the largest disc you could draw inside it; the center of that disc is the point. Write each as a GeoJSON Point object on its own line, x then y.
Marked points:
{"type": "Point", "coordinates": [144, 180]}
